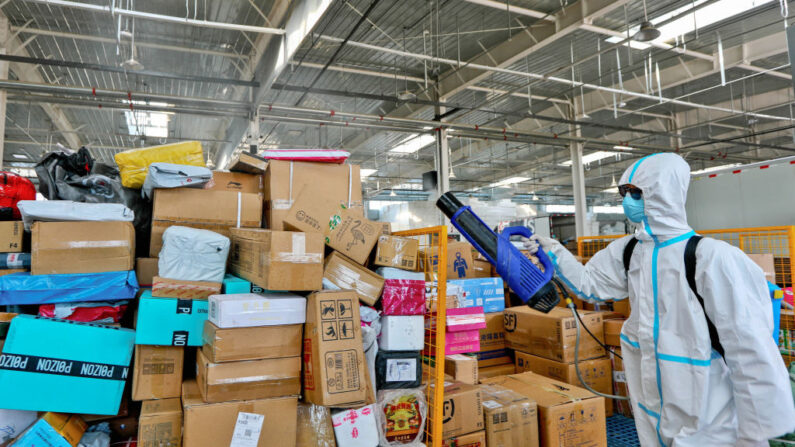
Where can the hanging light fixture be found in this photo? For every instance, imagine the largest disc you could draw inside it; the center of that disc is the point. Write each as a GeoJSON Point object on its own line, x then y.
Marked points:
{"type": "Point", "coordinates": [392, 194]}
{"type": "Point", "coordinates": [648, 31]}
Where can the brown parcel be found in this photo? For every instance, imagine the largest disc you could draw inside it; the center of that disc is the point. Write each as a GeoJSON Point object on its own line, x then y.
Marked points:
{"type": "Point", "coordinates": [463, 412]}
{"type": "Point", "coordinates": [145, 271]}
{"type": "Point", "coordinates": [620, 383]}
{"type": "Point", "coordinates": [213, 424]}
{"type": "Point", "coordinates": [248, 379]}
{"type": "Point", "coordinates": [612, 330]}
{"type": "Point", "coordinates": [11, 237]}
{"type": "Point", "coordinates": [386, 228]}
{"type": "Point", "coordinates": [204, 209]}
{"type": "Point", "coordinates": [251, 343]}
{"type": "Point", "coordinates": [459, 254]}
{"type": "Point", "coordinates": [346, 274]}
{"type": "Point", "coordinates": [398, 252]}
{"type": "Point", "coordinates": [492, 341]}
{"type": "Point", "coordinates": [82, 247]}
{"type": "Point", "coordinates": [312, 210]}
{"type": "Point", "coordinates": [767, 263]}
{"type": "Point", "coordinates": [248, 163]}
{"type": "Point", "coordinates": [494, 371]}
{"type": "Point", "coordinates": [552, 335]}
{"type": "Point", "coordinates": [352, 235]}
{"type": "Point", "coordinates": [284, 180]}
{"type": "Point", "coordinates": [160, 423]}
{"type": "Point", "coordinates": [462, 368]}
{"type": "Point", "coordinates": [481, 269]}
{"type": "Point", "coordinates": [477, 439]}
{"type": "Point", "coordinates": [511, 419]}
{"type": "Point", "coordinates": [315, 428]}
{"type": "Point", "coordinates": [567, 415]}
{"type": "Point", "coordinates": [189, 290]}
{"type": "Point", "coordinates": [157, 372]}
{"type": "Point", "coordinates": [278, 260]}
{"type": "Point", "coordinates": [236, 182]}
{"type": "Point", "coordinates": [598, 373]}
{"type": "Point", "coordinates": [334, 369]}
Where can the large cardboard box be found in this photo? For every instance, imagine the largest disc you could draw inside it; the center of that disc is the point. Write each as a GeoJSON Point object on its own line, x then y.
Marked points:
{"type": "Point", "coordinates": [145, 271]}
{"type": "Point", "coordinates": [511, 419]}
{"type": "Point", "coordinates": [248, 163]}
{"type": "Point", "coordinates": [82, 247]}
{"type": "Point", "coordinates": [565, 412]}
{"type": "Point", "coordinates": [278, 260]}
{"type": "Point", "coordinates": [11, 236]}
{"type": "Point", "coordinates": [462, 368]}
{"type": "Point", "coordinates": [463, 412]}
{"type": "Point", "coordinates": [346, 274]}
{"type": "Point", "coordinates": [160, 423]}
{"type": "Point", "coordinates": [496, 370]}
{"type": "Point", "coordinates": [598, 373]}
{"type": "Point", "coordinates": [552, 335]}
{"type": "Point", "coordinates": [216, 211]}
{"type": "Point", "coordinates": [251, 343]}
{"type": "Point", "coordinates": [236, 182]}
{"type": "Point", "coordinates": [612, 330]}
{"type": "Point", "coordinates": [169, 321]}
{"type": "Point", "coordinates": [247, 379]}
{"type": "Point", "coordinates": [334, 368]}
{"type": "Point", "coordinates": [482, 269]}
{"type": "Point", "coordinates": [459, 260]}
{"type": "Point", "coordinates": [250, 422]}
{"type": "Point", "coordinates": [352, 235]}
{"type": "Point", "coordinates": [175, 288]}
{"type": "Point", "coordinates": [398, 252]}
{"type": "Point", "coordinates": [312, 210]}
{"type": "Point", "coordinates": [767, 263]}
{"type": "Point", "coordinates": [492, 337]}
{"type": "Point", "coordinates": [477, 439]}
{"type": "Point", "coordinates": [157, 372]}
{"type": "Point", "coordinates": [284, 180]}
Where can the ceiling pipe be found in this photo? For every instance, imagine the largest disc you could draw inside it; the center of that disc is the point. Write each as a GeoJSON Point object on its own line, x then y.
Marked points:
{"type": "Point", "coordinates": [160, 17]}
{"type": "Point", "coordinates": [513, 9]}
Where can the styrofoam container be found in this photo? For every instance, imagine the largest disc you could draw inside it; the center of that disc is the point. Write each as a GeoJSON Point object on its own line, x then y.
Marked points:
{"type": "Point", "coordinates": [251, 309]}
{"type": "Point", "coordinates": [402, 333]}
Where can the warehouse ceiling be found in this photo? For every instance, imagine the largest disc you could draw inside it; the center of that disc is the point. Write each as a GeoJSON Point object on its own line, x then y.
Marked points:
{"type": "Point", "coordinates": [514, 85]}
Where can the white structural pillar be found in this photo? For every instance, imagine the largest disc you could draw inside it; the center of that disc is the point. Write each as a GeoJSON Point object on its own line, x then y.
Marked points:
{"type": "Point", "coordinates": [442, 161]}
{"type": "Point", "coordinates": [3, 93]}
{"type": "Point", "coordinates": [578, 179]}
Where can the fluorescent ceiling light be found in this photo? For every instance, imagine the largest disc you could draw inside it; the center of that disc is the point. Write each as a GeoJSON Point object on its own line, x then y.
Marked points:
{"type": "Point", "coordinates": [560, 208]}
{"type": "Point", "coordinates": [613, 190]}
{"type": "Point", "coordinates": [624, 148]}
{"type": "Point", "coordinates": [367, 172]}
{"type": "Point", "coordinates": [413, 143]}
{"type": "Point", "coordinates": [608, 209]}
{"type": "Point", "coordinates": [592, 157]}
{"type": "Point", "coordinates": [508, 181]}
{"type": "Point", "coordinates": [409, 186]}
{"type": "Point", "coordinates": [715, 168]}
{"type": "Point", "coordinates": [19, 156]}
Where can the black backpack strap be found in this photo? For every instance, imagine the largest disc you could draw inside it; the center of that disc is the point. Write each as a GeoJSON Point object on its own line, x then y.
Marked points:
{"type": "Point", "coordinates": [628, 249]}
{"type": "Point", "coordinates": [690, 272]}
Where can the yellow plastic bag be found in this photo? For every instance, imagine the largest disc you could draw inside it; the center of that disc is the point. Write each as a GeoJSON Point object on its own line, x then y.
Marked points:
{"type": "Point", "coordinates": [134, 164]}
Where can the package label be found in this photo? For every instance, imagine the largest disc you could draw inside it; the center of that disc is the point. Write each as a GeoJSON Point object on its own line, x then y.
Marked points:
{"type": "Point", "coordinates": [342, 370]}
{"type": "Point", "coordinates": [620, 376]}
{"type": "Point", "coordinates": [152, 368]}
{"type": "Point", "coordinates": [401, 370]}
{"type": "Point", "coordinates": [247, 430]}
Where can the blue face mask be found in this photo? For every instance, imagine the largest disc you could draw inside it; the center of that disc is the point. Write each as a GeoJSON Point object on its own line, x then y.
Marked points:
{"type": "Point", "coordinates": [633, 209]}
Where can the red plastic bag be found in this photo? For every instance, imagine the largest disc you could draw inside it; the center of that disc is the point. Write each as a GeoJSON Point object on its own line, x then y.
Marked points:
{"type": "Point", "coordinates": [14, 188]}
{"type": "Point", "coordinates": [320, 155]}
{"type": "Point", "coordinates": [93, 312]}
{"type": "Point", "coordinates": [403, 297]}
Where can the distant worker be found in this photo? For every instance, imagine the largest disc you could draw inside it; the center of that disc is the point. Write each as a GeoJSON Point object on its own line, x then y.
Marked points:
{"type": "Point", "coordinates": [699, 375]}
{"type": "Point", "coordinates": [460, 265]}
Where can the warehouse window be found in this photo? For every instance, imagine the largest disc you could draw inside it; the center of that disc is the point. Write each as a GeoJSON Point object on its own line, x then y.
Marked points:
{"type": "Point", "coordinates": [149, 124]}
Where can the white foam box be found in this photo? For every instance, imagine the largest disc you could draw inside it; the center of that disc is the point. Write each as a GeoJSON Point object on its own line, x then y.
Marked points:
{"type": "Point", "coordinates": [402, 333]}
{"type": "Point", "coordinates": [356, 427]}
{"type": "Point", "coordinates": [393, 273]}
{"type": "Point", "coordinates": [251, 309]}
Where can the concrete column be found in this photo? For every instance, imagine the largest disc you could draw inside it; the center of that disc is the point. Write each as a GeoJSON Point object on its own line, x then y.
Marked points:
{"type": "Point", "coordinates": [442, 161]}
{"type": "Point", "coordinates": [578, 179]}
{"type": "Point", "coordinates": [4, 33]}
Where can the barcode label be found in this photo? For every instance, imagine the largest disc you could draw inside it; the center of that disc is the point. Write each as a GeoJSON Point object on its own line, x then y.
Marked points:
{"type": "Point", "coordinates": [338, 361]}
{"type": "Point", "coordinates": [247, 430]}
{"type": "Point", "coordinates": [619, 376]}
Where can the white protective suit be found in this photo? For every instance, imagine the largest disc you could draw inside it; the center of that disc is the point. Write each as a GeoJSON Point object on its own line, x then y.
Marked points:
{"type": "Point", "coordinates": [682, 392]}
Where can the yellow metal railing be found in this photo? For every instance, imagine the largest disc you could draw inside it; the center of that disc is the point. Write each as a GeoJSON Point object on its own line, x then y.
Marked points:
{"type": "Point", "coordinates": [433, 262]}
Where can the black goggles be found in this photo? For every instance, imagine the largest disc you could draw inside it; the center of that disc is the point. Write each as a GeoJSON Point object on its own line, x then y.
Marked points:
{"type": "Point", "coordinates": [633, 191]}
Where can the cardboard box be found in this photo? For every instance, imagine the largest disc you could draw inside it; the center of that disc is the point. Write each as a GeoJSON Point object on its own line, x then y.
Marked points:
{"type": "Point", "coordinates": [233, 284]}
{"type": "Point", "coordinates": [86, 363]}
{"type": "Point", "coordinates": [767, 263]}
{"type": "Point", "coordinates": [248, 163]}
{"type": "Point", "coordinates": [82, 247]}
{"type": "Point", "coordinates": [482, 269]}
{"type": "Point", "coordinates": [564, 411]}
{"type": "Point", "coordinates": [496, 370]}
{"type": "Point", "coordinates": [284, 180]}
{"type": "Point", "coordinates": [190, 290]}
{"type": "Point", "coordinates": [10, 271]}
{"type": "Point", "coordinates": [312, 210]}
{"type": "Point", "coordinates": [477, 439]}
{"type": "Point", "coordinates": [398, 252]}
{"type": "Point", "coordinates": [157, 372]}
{"type": "Point", "coordinates": [251, 309]}
{"type": "Point", "coordinates": [236, 182]}
{"type": "Point", "coordinates": [251, 343]}
{"type": "Point", "coordinates": [492, 337]}
{"type": "Point", "coordinates": [145, 271]}
{"type": "Point", "coordinates": [459, 261]}
{"type": "Point", "coordinates": [488, 293]}
{"type": "Point", "coordinates": [278, 260]}
{"type": "Point", "coordinates": [216, 211]}
{"type": "Point", "coordinates": [11, 236]}
{"type": "Point", "coordinates": [552, 335]}
{"type": "Point", "coordinates": [622, 307]}
{"type": "Point", "coordinates": [254, 422]}
{"type": "Point", "coordinates": [169, 321]}
{"type": "Point", "coordinates": [598, 373]}
{"type": "Point", "coordinates": [53, 430]}
{"type": "Point", "coordinates": [342, 272]}
{"type": "Point", "coordinates": [612, 330]}
{"type": "Point", "coordinates": [462, 368]}
{"type": "Point", "coordinates": [402, 333]}
{"type": "Point", "coordinates": [463, 412]}
{"type": "Point", "coordinates": [248, 379]}
{"type": "Point", "coordinates": [620, 387]}
{"type": "Point", "coordinates": [160, 423]}
{"type": "Point", "coordinates": [386, 228]}
{"type": "Point", "coordinates": [511, 419]}
{"type": "Point", "coordinates": [333, 353]}
{"type": "Point", "coordinates": [352, 235]}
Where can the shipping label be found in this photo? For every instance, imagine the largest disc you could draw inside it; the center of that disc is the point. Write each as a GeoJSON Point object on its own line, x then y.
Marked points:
{"type": "Point", "coordinates": [401, 370]}
{"type": "Point", "coordinates": [342, 371]}
{"type": "Point", "coordinates": [247, 430]}
{"type": "Point", "coordinates": [152, 368]}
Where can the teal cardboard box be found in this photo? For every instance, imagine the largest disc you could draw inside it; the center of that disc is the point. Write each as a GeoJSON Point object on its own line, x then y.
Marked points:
{"type": "Point", "coordinates": [169, 321]}
{"type": "Point", "coordinates": [64, 366]}
{"type": "Point", "coordinates": [233, 284]}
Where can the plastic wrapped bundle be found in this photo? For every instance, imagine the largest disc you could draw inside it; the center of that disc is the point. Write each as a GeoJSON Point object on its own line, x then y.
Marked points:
{"type": "Point", "coordinates": [134, 164]}
{"type": "Point", "coordinates": [90, 312]}
{"type": "Point", "coordinates": [403, 297]}
{"type": "Point", "coordinates": [190, 254]}
{"type": "Point", "coordinates": [401, 417]}
{"type": "Point", "coordinates": [169, 175]}
{"type": "Point", "coordinates": [67, 210]}
{"type": "Point", "coordinates": [314, 426]}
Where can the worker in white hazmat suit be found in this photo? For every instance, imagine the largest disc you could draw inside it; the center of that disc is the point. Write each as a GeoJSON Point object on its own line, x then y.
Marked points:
{"type": "Point", "coordinates": [683, 392]}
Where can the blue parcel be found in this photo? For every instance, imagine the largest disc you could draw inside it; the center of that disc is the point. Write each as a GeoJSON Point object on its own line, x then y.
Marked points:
{"type": "Point", "coordinates": [486, 292]}
{"type": "Point", "coordinates": [169, 321]}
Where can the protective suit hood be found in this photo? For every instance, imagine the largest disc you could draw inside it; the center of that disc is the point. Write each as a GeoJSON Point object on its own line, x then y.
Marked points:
{"type": "Point", "coordinates": [664, 179]}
